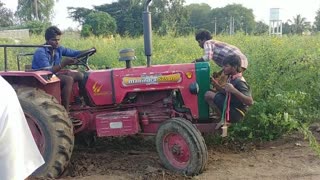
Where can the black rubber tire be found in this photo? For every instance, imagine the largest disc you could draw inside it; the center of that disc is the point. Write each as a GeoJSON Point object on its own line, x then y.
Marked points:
{"type": "Point", "coordinates": [56, 129]}
{"type": "Point", "coordinates": [198, 154]}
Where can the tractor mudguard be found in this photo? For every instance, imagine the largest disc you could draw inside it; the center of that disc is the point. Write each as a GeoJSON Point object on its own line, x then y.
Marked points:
{"type": "Point", "coordinates": [44, 80]}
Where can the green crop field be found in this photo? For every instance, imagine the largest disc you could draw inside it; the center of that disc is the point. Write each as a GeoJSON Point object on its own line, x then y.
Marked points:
{"type": "Point", "coordinates": [283, 74]}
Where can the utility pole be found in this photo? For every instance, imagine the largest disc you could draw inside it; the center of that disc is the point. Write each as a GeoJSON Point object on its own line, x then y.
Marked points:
{"type": "Point", "coordinates": [215, 26]}
{"type": "Point", "coordinates": [231, 25]}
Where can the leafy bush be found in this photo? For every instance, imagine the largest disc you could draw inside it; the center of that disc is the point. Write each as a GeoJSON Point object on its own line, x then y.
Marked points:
{"type": "Point", "coordinates": [86, 30]}
{"type": "Point", "coordinates": [283, 75]}
{"type": "Point", "coordinates": [37, 27]}
{"type": "Point", "coordinates": [101, 23]}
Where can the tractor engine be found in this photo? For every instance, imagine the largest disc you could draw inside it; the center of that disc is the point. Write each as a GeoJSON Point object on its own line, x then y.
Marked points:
{"type": "Point", "coordinates": [154, 107]}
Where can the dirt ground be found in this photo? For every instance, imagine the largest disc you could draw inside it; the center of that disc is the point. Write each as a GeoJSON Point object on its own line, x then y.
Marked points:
{"type": "Point", "coordinates": [136, 158]}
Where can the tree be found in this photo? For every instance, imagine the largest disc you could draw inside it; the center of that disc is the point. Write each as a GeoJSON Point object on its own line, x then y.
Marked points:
{"type": "Point", "coordinates": [101, 23]}
{"type": "Point", "coordinates": [286, 28]}
{"type": "Point", "coordinates": [79, 14]}
{"type": "Point", "coordinates": [261, 28]}
{"type": "Point", "coordinates": [38, 10]}
{"type": "Point", "coordinates": [86, 30]}
{"type": "Point", "coordinates": [36, 27]}
{"type": "Point", "coordinates": [317, 20]}
{"type": "Point", "coordinates": [170, 15]}
{"type": "Point", "coordinates": [6, 16]}
{"type": "Point", "coordinates": [128, 15]}
{"type": "Point", "coordinates": [299, 24]}
{"type": "Point", "coordinates": [200, 16]}
{"type": "Point", "coordinates": [242, 17]}
{"type": "Point", "coordinates": [167, 15]}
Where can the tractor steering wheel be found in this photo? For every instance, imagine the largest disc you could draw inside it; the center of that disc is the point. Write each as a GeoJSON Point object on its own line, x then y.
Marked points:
{"type": "Point", "coordinates": [82, 59]}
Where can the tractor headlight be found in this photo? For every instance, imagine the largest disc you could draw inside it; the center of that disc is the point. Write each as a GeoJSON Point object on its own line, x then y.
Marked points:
{"type": "Point", "coordinates": [194, 88]}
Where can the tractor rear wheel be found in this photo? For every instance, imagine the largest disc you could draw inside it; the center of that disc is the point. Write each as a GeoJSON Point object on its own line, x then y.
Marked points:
{"type": "Point", "coordinates": [51, 129]}
{"type": "Point", "coordinates": [181, 147]}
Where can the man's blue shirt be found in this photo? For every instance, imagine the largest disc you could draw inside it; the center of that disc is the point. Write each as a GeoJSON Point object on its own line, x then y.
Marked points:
{"type": "Point", "coordinates": [42, 57]}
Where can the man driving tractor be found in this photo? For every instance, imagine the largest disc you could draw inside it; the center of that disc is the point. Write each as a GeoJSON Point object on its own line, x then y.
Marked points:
{"type": "Point", "coordinates": [51, 59]}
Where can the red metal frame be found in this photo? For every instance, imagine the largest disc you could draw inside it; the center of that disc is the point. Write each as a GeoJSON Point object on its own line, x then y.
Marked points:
{"type": "Point", "coordinates": [176, 149]}
{"type": "Point", "coordinates": [107, 89]}
{"type": "Point", "coordinates": [37, 133]}
{"type": "Point", "coordinates": [99, 84]}
{"type": "Point", "coordinates": [40, 79]}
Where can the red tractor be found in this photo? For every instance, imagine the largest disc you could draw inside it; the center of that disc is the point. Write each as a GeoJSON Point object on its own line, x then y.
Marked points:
{"type": "Point", "coordinates": [162, 100]}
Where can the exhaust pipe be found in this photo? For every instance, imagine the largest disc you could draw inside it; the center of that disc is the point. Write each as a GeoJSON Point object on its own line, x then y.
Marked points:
{"type": "Point", "coordinates": [147, 32]}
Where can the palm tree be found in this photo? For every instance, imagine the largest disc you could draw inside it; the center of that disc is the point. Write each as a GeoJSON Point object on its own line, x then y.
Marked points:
{"type": "Point", "coordinates": [299, 24]}
{"type": "Point", "coordinates": [40, 10]}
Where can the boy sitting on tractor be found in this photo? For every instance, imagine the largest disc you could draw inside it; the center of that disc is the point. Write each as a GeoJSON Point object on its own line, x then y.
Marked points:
{"type": "Point", "coordinates": [51, 59]}
{"type": "Point", "coordinates": [234, 98]}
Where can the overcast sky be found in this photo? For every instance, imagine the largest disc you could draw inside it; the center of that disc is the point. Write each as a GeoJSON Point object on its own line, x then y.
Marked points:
{"type": "Point", "coordinates": [261, 8]}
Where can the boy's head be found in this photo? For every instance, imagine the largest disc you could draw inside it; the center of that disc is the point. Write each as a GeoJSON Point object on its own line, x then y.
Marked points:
{"type": "Point", "coordinates": [232, 63]}
{"type": "Point", "coordinates": [52, 36]}
{"type": "Point", "coordinates": [202, 36]}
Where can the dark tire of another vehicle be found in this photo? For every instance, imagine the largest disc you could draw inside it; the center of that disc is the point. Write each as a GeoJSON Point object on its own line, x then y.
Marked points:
{"type": "Point", "coordinates": [181, 147]}
{"type": "Point", "coordinates": [51, 128]}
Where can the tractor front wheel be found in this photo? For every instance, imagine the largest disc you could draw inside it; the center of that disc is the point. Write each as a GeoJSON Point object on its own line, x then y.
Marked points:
{"type": "Point", "coordinates": [51, 129]}
{"type": "Point", "coordinates": [181, 147]}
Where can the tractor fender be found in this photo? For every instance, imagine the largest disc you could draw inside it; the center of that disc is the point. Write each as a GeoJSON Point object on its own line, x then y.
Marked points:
{"type": "Point", "coordinates": [44, 80]}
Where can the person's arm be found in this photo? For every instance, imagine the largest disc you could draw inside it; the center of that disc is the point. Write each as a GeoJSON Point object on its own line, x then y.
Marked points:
{"type": "Point", "coordinates": [208, 52]}
{"type": "Point", "coordinates": [208, 47]}
{"type": "Point", "coordinates": [64, 63]}
{"type": "Point", "coordinates": [71, 52]}
{"type": "Point", "coordinates": [56, 68]}
{"type": "Point", "coordinates": [247, 100]}
{"type": "Point", "coordinates": [41, 60]}
{"type": "Point", "coordinates": [69, 59]}
{"type": "Point", "coordinates": [216, 84]}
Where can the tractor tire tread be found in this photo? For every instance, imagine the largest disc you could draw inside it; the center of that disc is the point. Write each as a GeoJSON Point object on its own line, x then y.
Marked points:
{"type": "Point", "coordinates": [59, 122]}
{"type": "Point", "coordinates": [195, 137]}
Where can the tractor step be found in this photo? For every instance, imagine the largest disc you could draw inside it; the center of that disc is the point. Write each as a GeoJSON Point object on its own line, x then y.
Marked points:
{"type": "Point", "coordinates": [76, 122]}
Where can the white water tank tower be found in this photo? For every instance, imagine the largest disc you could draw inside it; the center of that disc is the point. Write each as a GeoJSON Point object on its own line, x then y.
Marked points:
{"type": "Point", "coordinates": [275, 24]}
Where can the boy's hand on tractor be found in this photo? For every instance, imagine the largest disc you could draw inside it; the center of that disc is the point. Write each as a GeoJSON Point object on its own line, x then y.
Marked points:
{"type": "Point", "coordinates": [68, 61]}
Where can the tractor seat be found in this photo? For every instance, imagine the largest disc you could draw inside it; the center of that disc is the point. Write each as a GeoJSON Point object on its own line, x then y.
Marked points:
{"type": "Point", "coordinates": [28, 68]}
